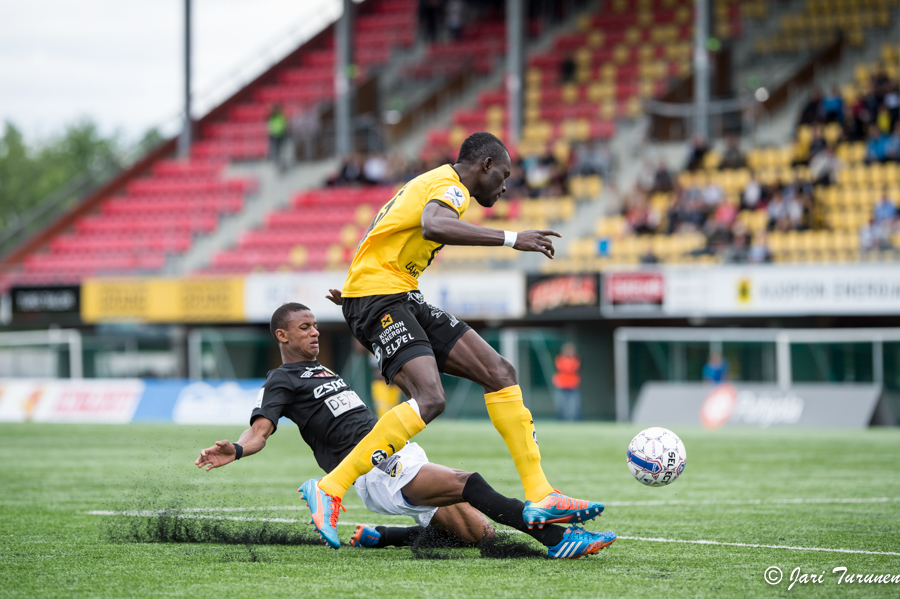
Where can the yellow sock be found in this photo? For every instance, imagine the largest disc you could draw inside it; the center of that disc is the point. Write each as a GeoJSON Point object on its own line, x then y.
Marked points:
{"type": "Point", "coordinates": [513, 421]}
{"type": "Point", "coordinates": [388, 437]}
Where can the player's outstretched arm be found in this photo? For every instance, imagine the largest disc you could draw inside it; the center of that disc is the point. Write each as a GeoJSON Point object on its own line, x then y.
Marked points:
{"type": "Point", "coordinates": [223, 452]}
{"type": "Point", "coordinates": [441, 224]}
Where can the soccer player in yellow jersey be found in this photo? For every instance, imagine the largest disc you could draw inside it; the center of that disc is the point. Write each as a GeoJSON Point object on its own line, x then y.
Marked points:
{"type": "Point", "coordinates": [414, 342]}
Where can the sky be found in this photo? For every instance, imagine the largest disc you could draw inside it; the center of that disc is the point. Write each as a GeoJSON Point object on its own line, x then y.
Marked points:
{"type": "Point", "coordinates": [120, 62]}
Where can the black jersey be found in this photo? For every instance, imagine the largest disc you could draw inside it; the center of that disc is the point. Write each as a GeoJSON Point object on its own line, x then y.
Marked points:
{"type": "Point", "coordinates": [331, 417]}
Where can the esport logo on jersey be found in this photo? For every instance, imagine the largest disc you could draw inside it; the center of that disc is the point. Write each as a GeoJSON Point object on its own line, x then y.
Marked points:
{"type": "Point", "coordinates": [455, 196]}
{"type": "Point", "coordinates": [378, 456]}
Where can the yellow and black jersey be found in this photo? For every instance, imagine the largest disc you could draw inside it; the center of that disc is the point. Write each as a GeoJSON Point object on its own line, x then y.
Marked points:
{"type": "Point", "coordinates": [393, 254]}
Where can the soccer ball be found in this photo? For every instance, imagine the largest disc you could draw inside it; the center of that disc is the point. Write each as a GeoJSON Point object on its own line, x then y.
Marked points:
{"type": "Point", "coordinates": [656, 456]}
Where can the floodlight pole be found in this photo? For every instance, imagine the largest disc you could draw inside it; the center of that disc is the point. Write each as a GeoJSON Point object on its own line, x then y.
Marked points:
{"type": "Point", "coordinates": [514, 60]}
{"type": "Point", "coordinates": [343, 60]}
{"type": "Point", "coordinates": [184, 140]}
{"type": "Point", "coordinates": [701, 68]}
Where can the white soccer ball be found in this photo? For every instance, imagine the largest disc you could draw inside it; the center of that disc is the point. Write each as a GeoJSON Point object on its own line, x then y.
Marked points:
{"type": "Point", "coordinates": [656, 456]}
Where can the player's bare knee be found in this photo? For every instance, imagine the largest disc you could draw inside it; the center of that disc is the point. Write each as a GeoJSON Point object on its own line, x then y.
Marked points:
{"type": "Point", "coordinates": [502, 375]}
{"type": "Point", "coordinates": [431, 405]}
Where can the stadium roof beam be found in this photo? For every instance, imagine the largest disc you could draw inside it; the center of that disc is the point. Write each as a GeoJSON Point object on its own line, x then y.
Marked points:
{"type": "Point", "coordinates": [701, 68]}
{"type": "Point", "coordinates": [514, 60]}
{"type": "Point", "coordinates": [184, 140]}
{"type": "Point", "coordinates": [343, 63]}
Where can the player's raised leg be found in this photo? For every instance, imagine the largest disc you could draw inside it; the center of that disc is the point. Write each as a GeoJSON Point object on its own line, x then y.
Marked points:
{"type": "Point", "coordinates": [472, 358]}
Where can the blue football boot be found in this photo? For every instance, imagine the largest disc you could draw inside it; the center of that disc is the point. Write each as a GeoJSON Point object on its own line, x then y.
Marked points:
{"type": "Point", "coordinates": [365, 536]}
{"type": "Point", "coordinates": [578, 542]}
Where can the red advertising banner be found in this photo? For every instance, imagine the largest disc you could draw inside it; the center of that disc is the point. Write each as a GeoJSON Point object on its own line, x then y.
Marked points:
{"type": "Point", "coordinates": [634, 288]}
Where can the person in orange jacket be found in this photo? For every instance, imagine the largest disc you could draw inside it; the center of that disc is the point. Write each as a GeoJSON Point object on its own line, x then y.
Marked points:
{"type": "Point", "coordinates": [567, 382]}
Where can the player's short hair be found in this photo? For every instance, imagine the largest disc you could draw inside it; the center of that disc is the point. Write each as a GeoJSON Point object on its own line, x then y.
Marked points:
{"type": "Point", "coordinates": [281, 316]}
{"type": "Point", "coordinates": [479, 146]}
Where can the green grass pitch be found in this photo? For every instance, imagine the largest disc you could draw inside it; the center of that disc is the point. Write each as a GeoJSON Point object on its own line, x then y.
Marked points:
{"type": "Point", "coordinates": [739, 487]}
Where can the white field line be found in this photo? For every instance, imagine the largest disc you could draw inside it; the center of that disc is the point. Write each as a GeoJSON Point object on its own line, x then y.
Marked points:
{"type": "Point", "coordinates": [758, 546]}
{"type": "Point", "coordinates": [194, 516]}
{"type": "Point", "coordinates": [650, 503]}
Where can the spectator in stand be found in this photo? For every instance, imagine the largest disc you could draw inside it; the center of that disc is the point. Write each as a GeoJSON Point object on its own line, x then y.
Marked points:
{"type": "Point", "coordinates": [305, 129]}
{"type": "Point", "coordinates": [591, 160]}
{"type": "Point", "coordinates": [375, 170]}
{"type": "Point", "coordinates": [543, 176]}
{"type": "Point", "coordinates": [430, 13]}
{"type": "Point", "coordinates": [698, 150]}
{"type": "Point", "coordinates": [892, 103]}
{"type": "Point", "coordinates": [813, 112]}
{"type": "Point", "coordinates": [824, 166]}
{"type": "Point", "coordinates": [777, 210]}
{"type": "Point", "coordinates": [716, 368]}
{"type": "Point", "coordinates": [759, 252]}
{"type": "Point", "coordinates": [892, 144]}
{"type": "Point", "coordinates": [732, 157]}
{"type": "Point", "coordinates": [567, 383]}
{"type": "Point", "coordinates": [351, 171]}
{"type": "Point", "coordinates": [753, 196]}
{"type": "Point", "coordinates": [713, 195]}
{"type": "Point", "coordinates": [516, 187]}
{"type": "Point", "coordinates": [868, 240]}
{"type": "Point", "coordinates": [567, 70]}
{"type": "Point", "coordinates": [833, 106]}
{"type": "Point", "coordinates": [856, 121]}
{"type": "Point", "coordinates": [647, 176]}
{"type": "Point", "coordinates": [278, 128]}
{"type": "Point", "coordinates": [817, 143]}
{"type": "Point", "coordinates": [455, 14]}
{"type": "Point", "coordinates": [662, 178]}
{"type": "Point", "coordinates": [876, 145]}
{"type": "Point", "coordinates": [738, 252]}
{"type": "Point", "coordinates": [885, 212]}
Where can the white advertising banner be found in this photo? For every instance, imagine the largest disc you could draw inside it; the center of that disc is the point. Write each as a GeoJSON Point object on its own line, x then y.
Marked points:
{"type": "Point", "coordinates": [76, 401]}
{"type": "Point", "coordinates": [482, 295]}
{"type": "Point", "coordinates": [771, 290]}
{"type": "Point", "coordinates": [760, 405]}
{"type": "Point", "coordinates": [264, 292]}
{"type": "Point", "coordinates": [225, 403]}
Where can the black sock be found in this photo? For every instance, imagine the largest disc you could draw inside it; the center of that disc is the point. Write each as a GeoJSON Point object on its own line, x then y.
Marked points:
{"type": "Point", "coordinates": [505, 510]}
{"type": "Point", "coordinates": [398, 536]}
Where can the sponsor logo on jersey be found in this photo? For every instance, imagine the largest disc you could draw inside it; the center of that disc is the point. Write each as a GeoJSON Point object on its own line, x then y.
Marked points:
{"type": "Point", "coordinates": [316, 371]}
{"type": "Point", "coordinates": [386, 321]}
{"type": "Point", "coordinates": [329, 387]}
{"type": "Point", "coordinates": [455, 196]}
{"type": "Point", "coordinates": [259, 397]}
{"type": "Point", "coordinates": [343, 402]}
{"type": "Point", "coordinates": [377, 351]}
{"type": "Point", "coordinates": [534, 433]}
{"type": "Point", "coordinates": [416, 296]}
{"type": "Point", "coordinates": [378, 456]}
{"type": "Point", "coordinates": [396, 470]}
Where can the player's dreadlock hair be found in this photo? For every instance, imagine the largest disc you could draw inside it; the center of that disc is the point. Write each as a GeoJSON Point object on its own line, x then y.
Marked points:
{"type": "Point", "coordinates": [479, 146]}
{"type": "Point", "coordinates": [280, 317]}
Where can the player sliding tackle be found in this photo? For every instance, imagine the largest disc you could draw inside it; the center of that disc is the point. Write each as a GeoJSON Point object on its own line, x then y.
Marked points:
{"type": "Point", "coordinates": [414, 342]}
{"type": "Point", "coordinates": [332, 419]}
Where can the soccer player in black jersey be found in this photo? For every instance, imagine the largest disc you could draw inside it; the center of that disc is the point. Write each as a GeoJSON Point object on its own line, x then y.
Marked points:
{"type": "Point", "coordinates": [332, 419]}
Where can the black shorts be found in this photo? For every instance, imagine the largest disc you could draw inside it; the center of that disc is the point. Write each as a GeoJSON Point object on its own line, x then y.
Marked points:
{"type": "Point", "coordinates": [400, 327]}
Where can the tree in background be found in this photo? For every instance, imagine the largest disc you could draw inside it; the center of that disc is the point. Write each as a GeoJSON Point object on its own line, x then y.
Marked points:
{"type": "Point", "coordinates": [31, 171]}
